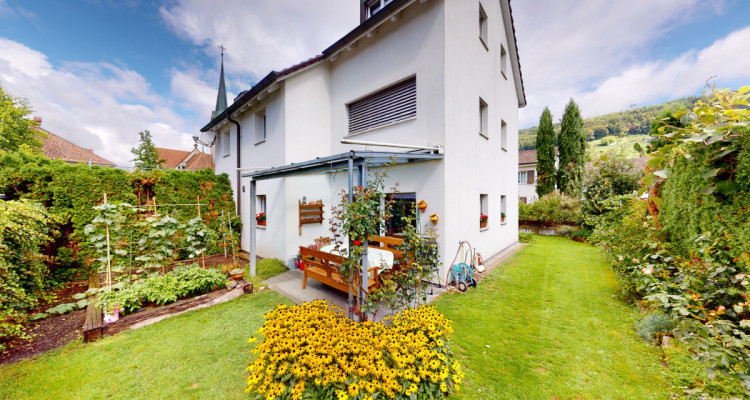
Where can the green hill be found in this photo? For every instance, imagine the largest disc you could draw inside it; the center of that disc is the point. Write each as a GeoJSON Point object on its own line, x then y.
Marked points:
{"type": "Point", "coordinates": [614, 130]}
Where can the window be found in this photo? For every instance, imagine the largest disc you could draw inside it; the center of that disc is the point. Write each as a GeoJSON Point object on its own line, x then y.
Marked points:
{"type": "Point", "coordinates": [260, 208]}
{"type": "Point", "coordinates": [387, 106]}
{"type": "Point", "coordinates": [374, 6]}
{"type": "Point", "coordinates": [503, 61]}
{"type": "Point", "coordinates": [524, 200]}
{"type": "Point", "coordinates": [522, 177]}
{"type": "Point", "coordinates": [502, 209]}
{"type": "Point", "coordinates": [503, 135]}
{"type": "Point", "coordinates": [404, 204]}
{"type": "Point", "coordinates": [260, 126]}
{"type": "Point", "coordinates": [225, 138]}
{"type": "Point", "coordinates": [483, 118]}
{"type": "Point", "coordinates": [483, 212]}
{"type": "Point", "coordinates": [483, 27]}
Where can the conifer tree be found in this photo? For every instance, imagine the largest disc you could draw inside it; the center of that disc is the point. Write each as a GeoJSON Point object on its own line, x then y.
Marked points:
{"type": "Point", "coordinates": [545, 155]}
{"type": "Point", "coordinates": [146, 155]}
{"type": "Point", "coordinates": [572, 149]}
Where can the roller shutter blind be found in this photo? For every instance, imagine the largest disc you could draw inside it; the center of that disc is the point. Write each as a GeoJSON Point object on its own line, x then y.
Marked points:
{"type": "Point", "coordinates": [392, 104]}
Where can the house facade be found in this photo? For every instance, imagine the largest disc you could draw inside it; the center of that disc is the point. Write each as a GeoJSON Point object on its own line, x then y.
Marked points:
{"type": "Point", "coordinates": [182, 160]}
{"type": "Point", "coordinates": [436, 78]}
{"type": "Point", "coordinates": [527, 176]}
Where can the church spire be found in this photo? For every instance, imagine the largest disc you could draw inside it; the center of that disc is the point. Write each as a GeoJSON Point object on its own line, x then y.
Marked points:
{"type": "Point", "coordinates": [221, 98]}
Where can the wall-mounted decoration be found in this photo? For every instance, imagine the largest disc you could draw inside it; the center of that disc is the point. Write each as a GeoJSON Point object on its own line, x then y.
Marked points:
{"type": "Point", "coordinates": [434, 218]}
{"type": "Point", "coordinates": [310, 213]}
{"type": "Point", "coordinates": [422, 205]}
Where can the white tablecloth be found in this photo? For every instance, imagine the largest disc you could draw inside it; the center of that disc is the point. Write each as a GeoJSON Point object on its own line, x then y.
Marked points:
{"type": "Point", "coordinates": [383, 259]}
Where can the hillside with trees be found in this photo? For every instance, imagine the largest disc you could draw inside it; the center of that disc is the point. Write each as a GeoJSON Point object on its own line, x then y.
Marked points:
{"type": "Point", "coordinates": [636, 121]}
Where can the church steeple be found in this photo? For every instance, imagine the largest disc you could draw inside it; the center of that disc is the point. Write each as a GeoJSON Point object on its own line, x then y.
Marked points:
{"type": "Point", "coordinates": [221, 98]}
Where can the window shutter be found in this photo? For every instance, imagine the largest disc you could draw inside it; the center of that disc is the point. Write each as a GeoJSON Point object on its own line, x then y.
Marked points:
{"type": "Point", "coordinates": [530, 177]}
{"type": "Point", "coordinates": [392, 104]}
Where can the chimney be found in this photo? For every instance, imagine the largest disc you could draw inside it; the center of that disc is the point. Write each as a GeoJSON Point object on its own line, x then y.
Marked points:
{"type": "Point", "coordinates": [38, 120]}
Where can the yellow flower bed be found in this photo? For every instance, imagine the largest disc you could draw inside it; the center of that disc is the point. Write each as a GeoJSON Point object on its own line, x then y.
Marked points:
{"type": "Point", "coordinates": [313, 351]}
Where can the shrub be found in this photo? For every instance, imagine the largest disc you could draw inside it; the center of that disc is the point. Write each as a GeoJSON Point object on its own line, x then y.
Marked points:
{"type": "Point", "coordinates": [313, 351]}
{"type": "Point", "coordinates": [525, 237]}
{"type": "Point", "coordinates": [554, 208]}
{"type": "Point", "coordinates": [653, 326]}
{"type": "Point", "coordinates": [24, 228]}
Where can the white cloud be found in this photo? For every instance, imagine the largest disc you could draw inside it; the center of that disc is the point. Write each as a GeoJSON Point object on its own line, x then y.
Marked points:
{"type": "Point", "coordinates": [262, 35]}
{"type": "Point", "coordinates": [95, 105]}
{"type": "Point", "coordinates": [570, 49]}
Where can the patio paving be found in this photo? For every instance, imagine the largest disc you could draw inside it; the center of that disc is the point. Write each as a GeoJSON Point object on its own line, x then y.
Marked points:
{"type": "Point", "coordinates": [289, 284]}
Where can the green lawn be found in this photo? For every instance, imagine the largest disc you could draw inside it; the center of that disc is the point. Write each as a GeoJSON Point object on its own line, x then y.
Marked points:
{"type": "Point", "coordinates": [547, 325]}
{"type": "Point", "coordinates": [197, 355]}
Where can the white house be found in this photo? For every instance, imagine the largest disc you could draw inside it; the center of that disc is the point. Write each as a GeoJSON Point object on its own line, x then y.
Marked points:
{"type": "Point", "coordinates": [527, 176]}
{"type": "Point", "coordinates": [438, 79]}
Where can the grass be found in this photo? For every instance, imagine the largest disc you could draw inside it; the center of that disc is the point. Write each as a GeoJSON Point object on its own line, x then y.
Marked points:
{"type": "Point", "coordinates": [548, 325]}
{"type": "Point", "coordinates": [197, 355]}
{"type": "Point", "coordinates": [265, 269]}
{"type": "Point", "coordinates": [623, 147]}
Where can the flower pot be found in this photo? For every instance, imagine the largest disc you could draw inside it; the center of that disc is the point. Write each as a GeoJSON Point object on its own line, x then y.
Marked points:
{"type": "Point", "coordinates": [261, 223]}
{"type": "Point", "coordinates": [482, 224]}
{"type": "Point", "coordinates": [422, 205]}
{"type": "Point", "coordinates": [238, 276]}
{"type": "Point", "coordinates": [434, 218]}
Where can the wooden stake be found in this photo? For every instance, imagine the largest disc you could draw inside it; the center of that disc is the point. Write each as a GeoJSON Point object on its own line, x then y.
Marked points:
{"type": "Point", "coordinates": [109, 258]}
{"type": "Point", "coordinates": [203, 260]}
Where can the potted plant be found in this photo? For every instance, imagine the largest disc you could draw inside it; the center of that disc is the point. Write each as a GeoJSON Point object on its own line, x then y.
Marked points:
{"type": "Point", "coordinates": [502, 217]}
{"type": "Point", "coordinates": [112, 314]}
{"type": "Point", "coordinates": [237, 273]}
{"type": "Point", "coordinates": [261, 219]}
{"type": "Point", "coordinates": [483, 220]}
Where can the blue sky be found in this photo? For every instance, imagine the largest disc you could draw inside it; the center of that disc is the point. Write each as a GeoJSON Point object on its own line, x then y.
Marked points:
{"type": "Point", "coordinates": [99, 71]}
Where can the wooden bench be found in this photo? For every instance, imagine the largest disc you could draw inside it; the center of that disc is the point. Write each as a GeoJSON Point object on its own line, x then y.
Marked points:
{"type": "Point", "coordinates": [322, 267]}
{"type": "Point", "coordinates": [388, 243]}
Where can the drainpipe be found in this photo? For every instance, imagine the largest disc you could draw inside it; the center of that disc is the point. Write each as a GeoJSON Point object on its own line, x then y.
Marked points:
{"type": "Point", "coordinates": [239, 177]}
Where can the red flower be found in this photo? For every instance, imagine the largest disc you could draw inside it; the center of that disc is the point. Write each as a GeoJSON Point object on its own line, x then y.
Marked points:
{"type": "Point", "coordinates": [357, 243]}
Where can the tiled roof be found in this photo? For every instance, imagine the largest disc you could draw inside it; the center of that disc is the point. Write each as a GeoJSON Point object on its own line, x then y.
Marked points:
{"type": "Point", "coordinates": [58, 148]}
{"type": "Point", "coordinates": [527, 157]}
{"type": "Point", "coordinates": [173, 158]}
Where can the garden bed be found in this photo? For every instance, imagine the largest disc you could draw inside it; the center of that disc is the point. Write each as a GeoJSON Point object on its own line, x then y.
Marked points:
{"type": "Point", "coordinates": [156, 314]}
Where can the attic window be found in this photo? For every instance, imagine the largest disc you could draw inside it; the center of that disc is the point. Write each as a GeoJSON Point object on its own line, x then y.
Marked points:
{"type": "Point", "coordinates": [395, 103]}
{"type": "Point", "coordinates": [373, 6]}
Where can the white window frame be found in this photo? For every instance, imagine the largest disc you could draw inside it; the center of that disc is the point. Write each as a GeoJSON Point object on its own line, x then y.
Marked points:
{"type": "Point", "coordinates": [374, 7]}
{"type": "Point", "coordinates": [503, 135]}
{"type": "Point", "coordinates": [503, 62]}
{"type": "Point", "coordinates": [484, 204]}
{"type": "Point", "coordinates": [483, 28]}
{"type": "Point", "coordinates": [226, 143]}
{"type": "Point", "coordinates": [503, 208]}
{"type": "Point", "coordinates": [525, 178]}
{"type": "Point", "coordinates": [261, 126]}
{"type": "Point", "coordinates": [483, 119]}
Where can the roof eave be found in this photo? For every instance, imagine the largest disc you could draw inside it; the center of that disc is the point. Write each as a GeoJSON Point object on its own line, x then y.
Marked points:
{"type": "Point", "coordinates": [515, 62]}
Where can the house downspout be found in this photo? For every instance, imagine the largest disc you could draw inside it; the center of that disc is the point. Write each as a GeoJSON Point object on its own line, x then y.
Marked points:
{"type": "Point", "coordinates": [239, 177]}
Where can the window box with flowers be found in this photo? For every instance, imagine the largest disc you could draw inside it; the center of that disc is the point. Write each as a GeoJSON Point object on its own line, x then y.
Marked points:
{"type": "Point", "coordinates": [260, 219]}
{"type": "Point", "coordinates": [502, 218]}
{"type": "Point", "coordinates": [483, 220]}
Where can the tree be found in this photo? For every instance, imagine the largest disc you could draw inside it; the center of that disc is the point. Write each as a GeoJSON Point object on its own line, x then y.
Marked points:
{"type": "Point", "coordinates": [545, 155]}
{"type": "Point", "coordinates": [16, 131]}
{"type": "Point", "coordinates": [146, 155]}
{"type": "Point", "coordinates": [572, 150]}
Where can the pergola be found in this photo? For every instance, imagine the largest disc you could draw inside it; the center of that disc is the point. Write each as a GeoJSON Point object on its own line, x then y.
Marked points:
{"type": "Point", "coordinates": [344, 161]}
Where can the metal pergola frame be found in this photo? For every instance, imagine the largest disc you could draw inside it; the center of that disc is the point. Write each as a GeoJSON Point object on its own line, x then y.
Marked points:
{"type": "Point", "coordinates": [359, 159]}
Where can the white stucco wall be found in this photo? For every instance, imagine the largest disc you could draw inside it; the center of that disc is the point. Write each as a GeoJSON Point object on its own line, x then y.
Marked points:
{"type": "Point", "coordinates": [438, 42]}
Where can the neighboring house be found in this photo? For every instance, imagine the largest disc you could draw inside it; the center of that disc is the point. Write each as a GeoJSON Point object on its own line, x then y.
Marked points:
{"type": "Point", "coordinates": [527, 176]}
{"type": "Point", "coordinates": [438, 81]}
{"type": "Point", "coordinates": [57, 148]}
{"type": "Point", "coordinates": [194, 160]}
